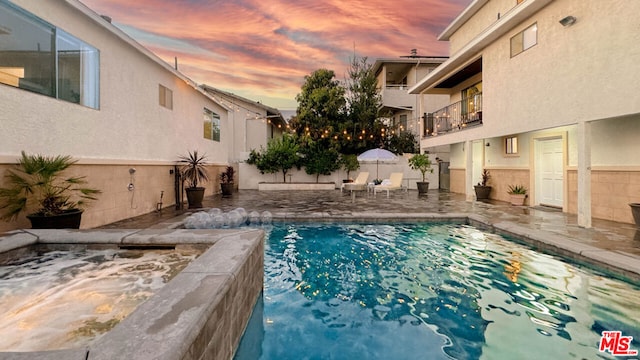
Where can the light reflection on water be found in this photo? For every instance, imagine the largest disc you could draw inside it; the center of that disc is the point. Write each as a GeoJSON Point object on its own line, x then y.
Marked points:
{"type": "Point", "coordinates": [429, 291]}
{"type": "Point", "coordinates": [65, 299]}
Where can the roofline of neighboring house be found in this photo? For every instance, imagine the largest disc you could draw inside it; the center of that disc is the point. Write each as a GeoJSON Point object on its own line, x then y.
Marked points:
{"type": "Point", "coordinates": [473, 49]}
{"type": "Point", "coordinates": [272, 112]}
{"type": "Point", "coordinates": [107, 25]}
{"type": "Point", "coordinates": [409, 59]}
{"type": "Point", "coordinates": [464, 16]}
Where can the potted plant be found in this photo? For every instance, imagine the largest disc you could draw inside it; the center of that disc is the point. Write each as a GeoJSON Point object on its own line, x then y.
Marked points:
{"type": "Point", "coordinates": [635, 211]}
{"type": "Point", "coordinates": [349, 163]}
{"type": "Point", "coordinates": [517, 194]}
{"type": "Point", "coordinates": [226, 181]}
{"type": "Point", "coordinates": [482, 189]}
{"type": "Point", "coordinates": [193, 169]}
{"type": "Point", "coordinates": [422, 163]}
{"type": "Point", "coordinates": [37, 182]}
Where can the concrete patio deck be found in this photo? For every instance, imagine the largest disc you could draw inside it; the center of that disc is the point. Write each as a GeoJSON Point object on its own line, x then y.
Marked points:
{"type": "Point", "coordinates": [613, 245]}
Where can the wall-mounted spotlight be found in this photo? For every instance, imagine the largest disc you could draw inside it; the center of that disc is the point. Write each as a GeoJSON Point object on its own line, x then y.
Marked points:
{"type": "Point", "coordinates": [568, 20]}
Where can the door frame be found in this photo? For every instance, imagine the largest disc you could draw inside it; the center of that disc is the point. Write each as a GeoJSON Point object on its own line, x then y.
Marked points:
{"type": "Point", "coordinates": [535, 147]}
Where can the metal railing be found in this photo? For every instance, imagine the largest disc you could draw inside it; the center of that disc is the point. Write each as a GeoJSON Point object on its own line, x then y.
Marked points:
{"type": "Point", "coordinates": [457, 116]}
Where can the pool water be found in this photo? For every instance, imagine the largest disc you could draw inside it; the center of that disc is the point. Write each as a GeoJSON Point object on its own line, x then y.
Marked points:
{"type": "Point", "coordinates": [67, 299]}
{"type": "Point", "coordinates": [428, 291]}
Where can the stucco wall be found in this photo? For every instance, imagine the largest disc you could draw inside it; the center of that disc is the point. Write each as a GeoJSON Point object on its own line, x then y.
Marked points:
{"type": "Point", "coordinates": [130, 128]}
{"type": "Point", "coordinates": [130, 124]}
{"type": "Point", "coordinates": [250, 176]}
{"type": "Point", "coordinates": [565, 77]}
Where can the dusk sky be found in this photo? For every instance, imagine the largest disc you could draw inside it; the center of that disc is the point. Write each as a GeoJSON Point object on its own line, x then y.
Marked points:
{"type": "Point", "coordinates": [263, 49]}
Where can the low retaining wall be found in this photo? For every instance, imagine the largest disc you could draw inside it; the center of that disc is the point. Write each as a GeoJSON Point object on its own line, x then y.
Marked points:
{"type": "Point", "coordinates": [265, 186]}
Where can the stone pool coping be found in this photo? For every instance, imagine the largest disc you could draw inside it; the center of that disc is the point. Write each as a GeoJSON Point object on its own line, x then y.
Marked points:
{"type": "Point", "coordinates": [201, 313]}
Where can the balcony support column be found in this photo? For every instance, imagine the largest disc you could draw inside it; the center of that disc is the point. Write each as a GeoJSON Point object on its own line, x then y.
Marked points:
{"type": "Point", "coordinates": [584, 174]}
{"type": "Point", "coordinates": [470, 193]}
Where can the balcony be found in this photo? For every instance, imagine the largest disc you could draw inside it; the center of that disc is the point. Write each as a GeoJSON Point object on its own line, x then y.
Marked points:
{"type": "Point", "coordinates": [458, 116]}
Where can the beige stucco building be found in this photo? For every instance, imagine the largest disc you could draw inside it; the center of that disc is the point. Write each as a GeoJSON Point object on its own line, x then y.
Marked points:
{"type": "Point", "coordinates": [71, 83]}
{"type": "Point", "coordinates": [543, 93]}
{"type": "Point", "coordinates": [395, 76]}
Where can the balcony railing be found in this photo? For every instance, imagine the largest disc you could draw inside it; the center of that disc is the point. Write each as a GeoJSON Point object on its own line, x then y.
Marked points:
{"type": "Point", "coordinates": [457, 116]}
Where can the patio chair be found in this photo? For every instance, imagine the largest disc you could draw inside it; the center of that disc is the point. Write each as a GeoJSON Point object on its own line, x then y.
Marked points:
{"type": "Point", "coordinates": [394, 183]}
{"type": "Point", "coordinates": [361, 179]}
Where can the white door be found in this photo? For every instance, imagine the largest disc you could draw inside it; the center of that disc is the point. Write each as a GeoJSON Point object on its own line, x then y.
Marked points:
{"type": "Point", "coordinates": [550, 172]}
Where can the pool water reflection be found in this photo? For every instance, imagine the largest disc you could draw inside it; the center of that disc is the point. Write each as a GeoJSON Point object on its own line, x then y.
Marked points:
{"type": "Point", "coordinates": [428, 291]}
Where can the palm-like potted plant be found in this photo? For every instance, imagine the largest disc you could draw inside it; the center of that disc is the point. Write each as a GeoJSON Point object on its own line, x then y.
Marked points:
{"type": "Point", "coordinates": [38, 183]}
{"type": "Point", "coordinates": [517, 194]}
{"type": "Point", "coordinates": [193, 170]}
{"type": "Point", "coordinates": [226, 181]}
{"type": "Point", "coordinates": [482, 189]}
{"type": "Point", "coordinates": [422, 163]}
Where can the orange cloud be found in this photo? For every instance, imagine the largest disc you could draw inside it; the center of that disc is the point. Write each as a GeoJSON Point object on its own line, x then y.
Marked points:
{"type": "Point", "coordinates": [263, 49]}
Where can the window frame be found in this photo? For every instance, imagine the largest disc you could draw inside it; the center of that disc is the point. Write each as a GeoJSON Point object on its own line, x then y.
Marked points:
{"type": "Point", "coordinates": [521, 41]}
{"type": "Point", "coordinates": [211, 119]}
{"type": "Point", "coordinates": [72, 72]}
{"type": "Point", "coordinates": [510, 146]}
{"type": "Point", "coordinates": [165, 97]}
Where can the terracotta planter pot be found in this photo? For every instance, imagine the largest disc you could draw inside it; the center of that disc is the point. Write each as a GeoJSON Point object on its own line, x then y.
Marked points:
{"type": "Point", "coordinates": [194, 197]}
{"type": "Point", "coordinates": [68, 220]}
{"type": "Point", "coordinates": [482, 192]}
{"type": "Point", "coordinates": [423, 187]}
{"type": "Point", "coordinates": [517, 199]}
{"type": "Point", "coordinates": [635, 211]}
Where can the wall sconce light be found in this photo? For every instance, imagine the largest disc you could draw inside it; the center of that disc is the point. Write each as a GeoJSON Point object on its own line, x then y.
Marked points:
{"type": "Point", "coordinates": [568, 20]}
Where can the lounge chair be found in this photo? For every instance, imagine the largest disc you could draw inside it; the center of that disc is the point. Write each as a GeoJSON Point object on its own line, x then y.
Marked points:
{"type": "Point", "coordinates": [393, 183]}
{"type": "Point", "coordinates": [361, 179]}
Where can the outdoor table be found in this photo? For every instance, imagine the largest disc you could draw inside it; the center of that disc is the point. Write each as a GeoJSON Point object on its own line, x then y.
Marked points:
{"type": "Point", "coordinates": [353, 188]}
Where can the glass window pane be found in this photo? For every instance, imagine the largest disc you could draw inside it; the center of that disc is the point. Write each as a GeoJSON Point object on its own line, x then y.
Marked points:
{"type": "Point", "coordinates": [26, 51]}
{"type": "Point", "coordinates": [77, 70]}
{"type": "Point", "coordinates": [530, 37]}
{"type": "Point", "coordinates": [516, 44]}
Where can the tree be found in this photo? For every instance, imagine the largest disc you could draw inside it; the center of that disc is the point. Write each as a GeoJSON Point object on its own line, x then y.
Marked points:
{"type": "Point", "coordinates": [321, 105]}
{"type": "Point", "coordinates": [320, 158]}
{"type": "Point", "coordinates": [349, 163]}
{"type": "Point", "coordinates": [281, 155]}
{"type": "Point", "coordinates": [401, 143]}
{"type": "Point", "coordinates": [363, 103]}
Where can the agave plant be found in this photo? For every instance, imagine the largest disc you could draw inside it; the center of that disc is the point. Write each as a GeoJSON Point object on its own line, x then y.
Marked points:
{"type": "Point", "coordinates": [193, 168]}
{"type": "Point", "coordinates": [517, 190]}
{"type": "Point", "coordinates": [37, 182]}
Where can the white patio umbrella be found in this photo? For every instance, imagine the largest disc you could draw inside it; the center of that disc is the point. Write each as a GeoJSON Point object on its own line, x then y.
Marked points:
{"type": "Point", "coordinates": [377, 155]}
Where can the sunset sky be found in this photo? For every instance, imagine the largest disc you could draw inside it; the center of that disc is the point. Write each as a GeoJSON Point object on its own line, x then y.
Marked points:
{"type": "Point", "coordinates": [263, 49]}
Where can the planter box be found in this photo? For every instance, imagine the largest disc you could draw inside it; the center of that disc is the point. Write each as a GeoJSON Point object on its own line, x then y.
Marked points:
{"type": "Point", "coordinates": [517, 199]}
{"type": "Point", "coordinates": [268, 186]}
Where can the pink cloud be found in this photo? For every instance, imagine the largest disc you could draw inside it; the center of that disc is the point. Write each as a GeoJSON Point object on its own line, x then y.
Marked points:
{"type": "Point", "coordinates": [265, 48]}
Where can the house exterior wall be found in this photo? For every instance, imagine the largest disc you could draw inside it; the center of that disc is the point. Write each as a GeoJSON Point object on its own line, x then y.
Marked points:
{"type": "Point", "coordinates": [130, 128]}
{"type": "Point", "coordinates": [567, 79]}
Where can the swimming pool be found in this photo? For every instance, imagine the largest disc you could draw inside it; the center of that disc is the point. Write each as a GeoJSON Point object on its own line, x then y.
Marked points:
{"type": "Point", "coordinates": [428, 291]}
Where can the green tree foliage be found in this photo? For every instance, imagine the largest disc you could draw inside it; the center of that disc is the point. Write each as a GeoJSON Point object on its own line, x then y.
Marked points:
{"type": "Point", "coordinates": [401, 143]}
{"type": "Point", "coordinates": [363, 108]}
{"type": "Point", "coordinates": [320, 158]}
{"type": "Point", "coordinates": [321, 105]}
{"type": "Point", "coordinates": [349, 163]}
{"type": "Point", "coordinates": [282, 154]}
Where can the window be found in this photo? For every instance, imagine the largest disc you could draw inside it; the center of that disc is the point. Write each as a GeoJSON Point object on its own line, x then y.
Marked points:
{"type": "Point", "coordinates": [511, 145]}
{"type": "Point", "coordinates": [38, 57]}
{"type": "Point", "coordinates": [524, 40]}
{"type": "Point", "coordinates": [166, 97]}
{"type": "Point", "coordinates": [211, 125]}
{"type": "Point", "coordinates": [403, 122]}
